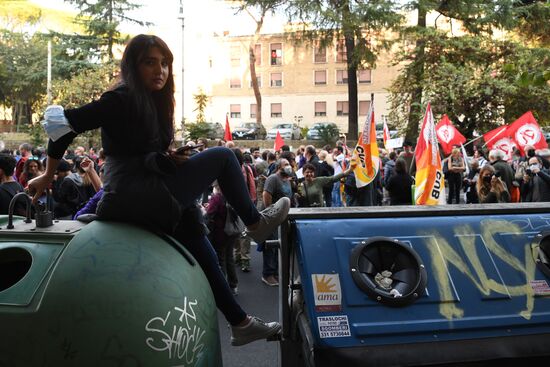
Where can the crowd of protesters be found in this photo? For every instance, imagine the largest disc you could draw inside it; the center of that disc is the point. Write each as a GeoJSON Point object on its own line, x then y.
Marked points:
{"type": "Point", "coordinates": [77, 178]}
{"type": "Point", "coordinates": [309, 176]}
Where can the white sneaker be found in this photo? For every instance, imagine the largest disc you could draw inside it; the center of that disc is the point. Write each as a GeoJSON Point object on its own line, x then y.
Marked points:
{"type": "Point", "coordinates": [255, 330]}
{"type": "Point", "coordinates": [270, 219]}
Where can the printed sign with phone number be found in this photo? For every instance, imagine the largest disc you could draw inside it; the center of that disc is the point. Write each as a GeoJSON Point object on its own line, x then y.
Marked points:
{"type": "Point", "coordinates": [333, 326]}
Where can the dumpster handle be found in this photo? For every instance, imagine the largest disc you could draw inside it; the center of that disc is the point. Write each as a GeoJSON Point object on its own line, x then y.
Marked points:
{"type": "Point", "coordinates": [12, 206]}
{"type": "Point", "coordinates": [44, 218]}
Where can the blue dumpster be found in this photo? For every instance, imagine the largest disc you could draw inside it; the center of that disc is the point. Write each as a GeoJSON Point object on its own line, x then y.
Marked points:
{"type": "Point", "coordinates": [400, 286]}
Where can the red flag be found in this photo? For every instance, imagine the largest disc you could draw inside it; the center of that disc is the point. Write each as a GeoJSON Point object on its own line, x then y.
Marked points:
{"type": "Point", "coordinates": [448, 135]}
{"type": "Point", "coordinates": [227, 136]}
{"type": "Point", "coordinates": [385, 134]}
{"type": "Point", "coordinates": [526, 131]}
{"type": "Point", "coordinates": [279, 142]}
{"type": "Point", "coordinates": [495, 135]}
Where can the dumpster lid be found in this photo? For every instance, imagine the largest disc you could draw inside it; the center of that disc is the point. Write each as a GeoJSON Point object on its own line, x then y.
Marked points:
{"type": "Point", "coordinates": [417, 210]}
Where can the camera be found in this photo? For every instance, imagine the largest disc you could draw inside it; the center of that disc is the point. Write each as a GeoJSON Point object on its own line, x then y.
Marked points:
{"type": "Point", "coordinates": [528, 172]}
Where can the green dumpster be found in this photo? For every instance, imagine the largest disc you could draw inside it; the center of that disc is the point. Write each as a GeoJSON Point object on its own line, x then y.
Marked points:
{"type": "Point", "coordinates": [102, 294]}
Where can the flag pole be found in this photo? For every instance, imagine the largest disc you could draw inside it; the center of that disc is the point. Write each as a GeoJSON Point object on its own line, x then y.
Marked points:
{"type": "Point", "coordinates": [471, 141]}
{"type": "Point", "coordinates": [492, 138]}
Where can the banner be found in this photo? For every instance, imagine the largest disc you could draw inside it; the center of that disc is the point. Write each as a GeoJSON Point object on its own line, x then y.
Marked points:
{"type": "Point", "coordinates": [430, 183]}
{"type": "Point", "coordinates": [448, 136]}
{"type": "Point", "coordinates": [366, 152]}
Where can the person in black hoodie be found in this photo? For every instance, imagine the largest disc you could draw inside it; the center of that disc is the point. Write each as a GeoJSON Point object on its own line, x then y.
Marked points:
{"type": "Point", "coordinates": [8, 186]}
{"type": "Point", "coordinates": [144, 170]}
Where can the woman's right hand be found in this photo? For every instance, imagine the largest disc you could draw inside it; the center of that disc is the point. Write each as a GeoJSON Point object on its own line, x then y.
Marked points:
{"type": "Point", "coordinates": [37, 186]}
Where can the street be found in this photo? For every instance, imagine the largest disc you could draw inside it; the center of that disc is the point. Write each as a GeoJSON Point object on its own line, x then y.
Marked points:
{"type": "Point", "coordinates": [259, 300]}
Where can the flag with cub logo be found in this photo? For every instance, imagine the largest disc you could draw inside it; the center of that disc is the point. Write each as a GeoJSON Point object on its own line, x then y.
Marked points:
{"type": "Point", "coordinates": [430, 183]}
{"type": "Point", "coordinates": [366, 153]}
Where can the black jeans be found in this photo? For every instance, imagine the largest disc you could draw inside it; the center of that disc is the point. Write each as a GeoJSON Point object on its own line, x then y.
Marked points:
{"type": "Point", "coordinates": [191, 180]}
{"type": "Point", "coordinates": [455, 183]}
{"type": "Point", "coordinates": [194, 176]}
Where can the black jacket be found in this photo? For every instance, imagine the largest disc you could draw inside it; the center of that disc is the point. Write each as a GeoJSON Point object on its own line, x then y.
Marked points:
{"type": "Point", "coordinates": [133, 182]}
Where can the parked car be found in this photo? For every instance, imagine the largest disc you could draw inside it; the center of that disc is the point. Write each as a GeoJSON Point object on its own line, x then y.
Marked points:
{"type": "Point", "coordinates": [314, 132]}
{"type": "Point", "coordinates": [287, 130]}
{"type": "Point", "coordinates": [217, 130]}
{"type": "Point", "coordinates": [249, 130]}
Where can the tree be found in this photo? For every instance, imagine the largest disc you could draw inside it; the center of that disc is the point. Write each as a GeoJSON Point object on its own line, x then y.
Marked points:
{"type": "Point", "coordinates": [470, 79]}
{"type": "Point", "coordinates": [201, 99]}
{"type": "Point", "coordinates": [196, 131]}
{"type": "Point", "coordinates": [359, 27]}
{"type": "Point", "coordinates": [329, 133]}
{"type": "Point", "coordinates": [264, 7]}
{"type": "Point", "coordinates": [102, 18]}
{"type": "Point", "coordinates": [83, 88]}
{"type": "Point", "coordinates": [478, 18]}
{"type": "Point", "coordinates": [23, 73]}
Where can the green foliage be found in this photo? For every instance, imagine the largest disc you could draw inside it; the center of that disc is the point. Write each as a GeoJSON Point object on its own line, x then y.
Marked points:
{"type": "Point", "coordinates": [472, 76]}
{"type": "Point", "coordinates": [364, 25]}
{"type": "Point", "coordinates": [196, 130]}
{"type": "Point", "coordinates": [101, 18]}
{"type": "Point", "coordinates": [37, 136]}
{"type": "Point", "coordinates": [83, 88]}
{"type": "Point", "coordinates": [329, 133]}
{"type": "Point", "coordinates": [201, 100]}
{"type": "Point", "coordinates": [23, 71]}
{"type": "Point", "coordinates": [533, 21]}
{"type": "Point", "coordinates": [18, 14]}
{"type": "Point", "coordinates": [304, 130]}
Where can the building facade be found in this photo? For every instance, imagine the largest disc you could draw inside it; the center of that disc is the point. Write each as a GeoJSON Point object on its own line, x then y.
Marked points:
{"type": "Point", "coordinates": [299, 83]}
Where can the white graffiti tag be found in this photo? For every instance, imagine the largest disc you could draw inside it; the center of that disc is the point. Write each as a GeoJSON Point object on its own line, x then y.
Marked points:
{"type": "Point", "coordinates": [177, 334]}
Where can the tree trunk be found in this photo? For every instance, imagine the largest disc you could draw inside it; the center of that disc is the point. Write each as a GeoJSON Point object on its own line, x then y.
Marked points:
{"type": "Point", "coordinates": [353, 115]}
{"type": "Point", "coordinates": [415, 112]}
{"type": "Point", "coordinates": [253, 75]}
{"type": "Point", "coordinates": [110, 34]}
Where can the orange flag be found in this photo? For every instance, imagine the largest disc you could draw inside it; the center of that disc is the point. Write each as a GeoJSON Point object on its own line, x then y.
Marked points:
{"type": "Point", "coordinates": [227, 136]}
{"type": "Point", "coordinates": [366, 152]}
{"type": "Point", "coordinates": [279, 142]}
{"type": "Point", "coordinates": [430, 183]}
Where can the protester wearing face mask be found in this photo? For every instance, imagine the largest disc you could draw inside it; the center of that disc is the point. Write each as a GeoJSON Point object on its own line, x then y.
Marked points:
{"type": "Point", "coordinates": [523, 163]}
{"type": "Point", "coordinates": [536, 182]}
{"type": "Point", "coordinates": [490, 188]}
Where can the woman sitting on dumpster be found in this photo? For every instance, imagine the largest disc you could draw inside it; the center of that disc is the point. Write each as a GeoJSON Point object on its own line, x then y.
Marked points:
{"type": "Point", "coordinates": [148, 182]}
{"type": "Point", "coordinates": [310, 192]}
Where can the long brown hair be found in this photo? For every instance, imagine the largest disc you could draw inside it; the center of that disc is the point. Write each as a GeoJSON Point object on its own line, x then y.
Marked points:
{"type": "Point", "coordinates": [153, 111]}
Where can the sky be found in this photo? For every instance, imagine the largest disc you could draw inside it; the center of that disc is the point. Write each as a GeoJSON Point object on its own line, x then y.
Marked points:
{"type": "Point", "coordinates": [199, 15]}
{"type": "Point", "coordinates": [202, 19]}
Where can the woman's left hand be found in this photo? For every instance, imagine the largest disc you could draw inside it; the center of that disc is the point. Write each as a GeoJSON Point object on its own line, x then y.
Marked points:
{"type": "Point", "coordinates": [179, 158]}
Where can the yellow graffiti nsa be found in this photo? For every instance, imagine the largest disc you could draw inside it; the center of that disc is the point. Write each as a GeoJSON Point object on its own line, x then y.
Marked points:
{"type": "Point", "coordinates": [442, 253]}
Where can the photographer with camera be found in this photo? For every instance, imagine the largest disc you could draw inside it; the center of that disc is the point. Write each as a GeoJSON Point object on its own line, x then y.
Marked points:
{"type": "Point", "coordinates": [490, 187]}
{"type": "Point", "coordinates": [536, 182]}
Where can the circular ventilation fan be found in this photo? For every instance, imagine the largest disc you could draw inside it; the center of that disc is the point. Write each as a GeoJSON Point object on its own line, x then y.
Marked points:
{"type": "Point", "coordinates": [389, 271]}
{"type": "Point", "coordinates": [542, 256]}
